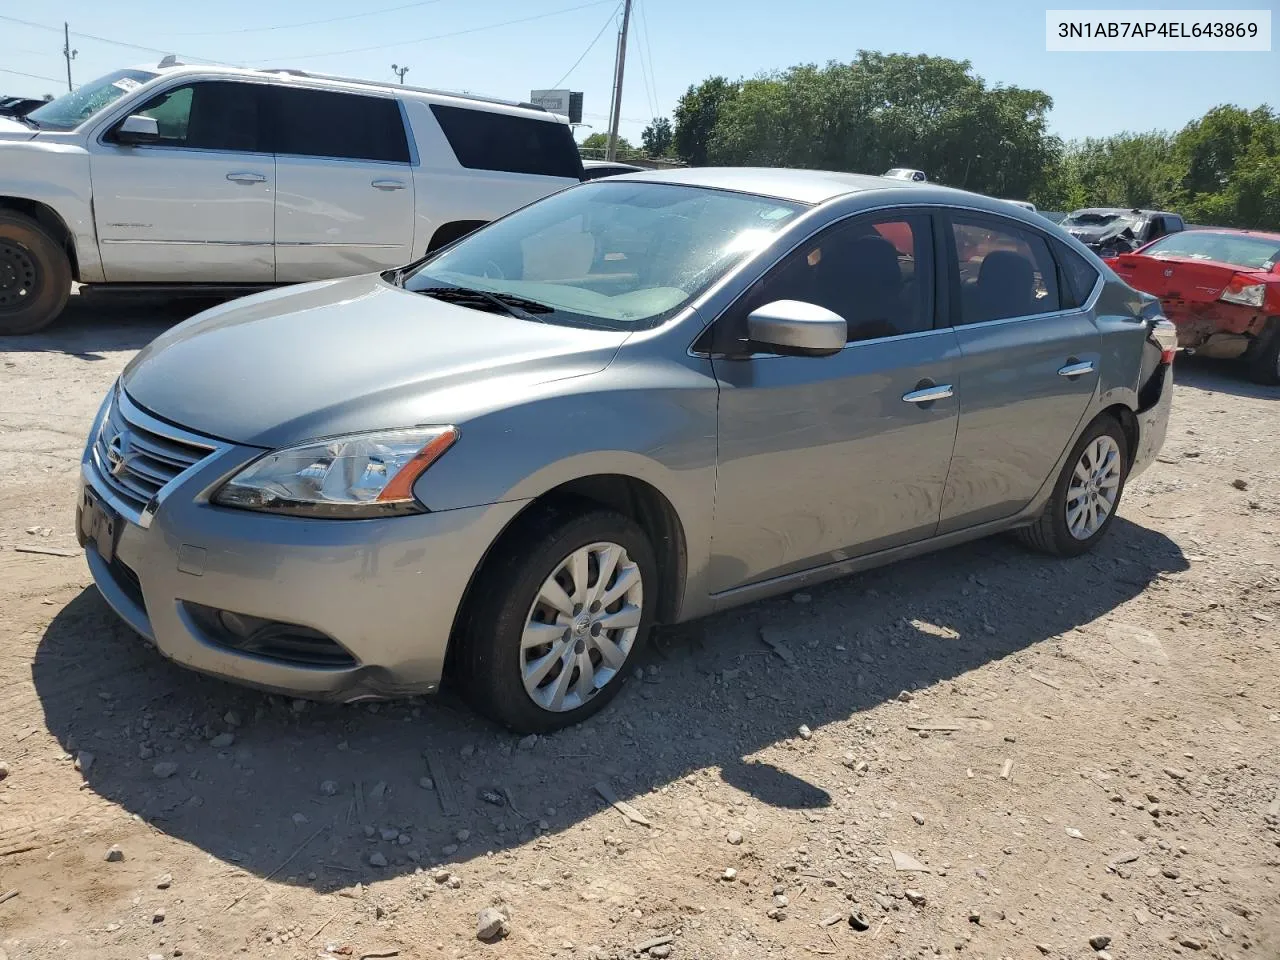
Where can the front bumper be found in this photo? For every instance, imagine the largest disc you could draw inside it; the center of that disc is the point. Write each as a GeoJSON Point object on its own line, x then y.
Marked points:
{"type": "Point", "coordinates": [385, 591]}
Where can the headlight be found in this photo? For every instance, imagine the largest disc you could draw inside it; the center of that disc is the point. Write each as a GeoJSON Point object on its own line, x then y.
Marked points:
{"type": "Point", "coordinates": [351, 477]}
{"type": "Point", "coordinates": [1249, 296]}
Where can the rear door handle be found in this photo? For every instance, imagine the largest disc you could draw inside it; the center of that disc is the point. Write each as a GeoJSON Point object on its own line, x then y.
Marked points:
{"type": "Point", "coordinates": [1075, 368]}
{"type": "Point", "coordinates": [246, 178]}
{"type": "Point", "coordinates": [929, 394]}
{"type": "Point", "coordinates": [388, 184]}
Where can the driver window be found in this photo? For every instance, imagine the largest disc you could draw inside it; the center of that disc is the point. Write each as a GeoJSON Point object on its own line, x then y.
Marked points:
{"type": "Point", "coordinates": [876, 273]}
{"type": "Point", "coordinates": [210, 115]}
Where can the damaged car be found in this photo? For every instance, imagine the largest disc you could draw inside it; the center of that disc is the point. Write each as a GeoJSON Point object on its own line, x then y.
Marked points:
{"type": "Point", "coordinates": [1221, 289]}
{"type": "Point", "coordinates": [1111, 231]}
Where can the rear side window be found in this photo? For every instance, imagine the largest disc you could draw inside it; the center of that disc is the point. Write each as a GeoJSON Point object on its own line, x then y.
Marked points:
{"type": "Point", "coordinates": [344, 126]}
{"type": "Point", "coordinates": [211, 115]}
{"type": "Point", "coordinates": [485, 140]}
{"type": "Point", "coordinates": [1079, 276]}
{"type": "Point", "coordinates": [1004, 271]}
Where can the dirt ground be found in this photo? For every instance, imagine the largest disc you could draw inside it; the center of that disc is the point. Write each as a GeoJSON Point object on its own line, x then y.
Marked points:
{"type": "Point", "coordinates": [1067, 749]}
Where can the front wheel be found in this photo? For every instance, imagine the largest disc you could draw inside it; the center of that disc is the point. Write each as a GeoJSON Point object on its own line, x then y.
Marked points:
{"type": "Point", "coordinates": [559, 615]}
{"type": "Point", "coordinates": [35, 275]}
{"type": "Point", "coordinates": [1087, 494]}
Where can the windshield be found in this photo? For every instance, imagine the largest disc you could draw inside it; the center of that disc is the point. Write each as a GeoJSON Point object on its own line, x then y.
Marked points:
{"type": "Point", "coordinates": [72, 109]}
{"type": "Point", "coordinates": [1089, 218]}
{"type": "Point", "coordinates": [1237, 249]}
{"type": "Point", "coordinates": [622, 256]}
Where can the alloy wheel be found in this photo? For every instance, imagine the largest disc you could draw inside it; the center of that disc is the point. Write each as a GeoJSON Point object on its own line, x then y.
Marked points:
{"type": "Point", "coordinates": [581, 626]}
{"type": "Point", "coordinates": [1094, 487]}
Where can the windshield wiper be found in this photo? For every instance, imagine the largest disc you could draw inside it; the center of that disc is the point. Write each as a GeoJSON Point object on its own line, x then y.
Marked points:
{"type": "Point", "coordinates": [33, 124]}
{"type": "Point", "coordinates": [506, 302]}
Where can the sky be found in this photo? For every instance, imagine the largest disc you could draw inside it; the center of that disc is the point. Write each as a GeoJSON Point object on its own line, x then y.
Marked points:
{"type": "Point", "coordinates": [506, 49]}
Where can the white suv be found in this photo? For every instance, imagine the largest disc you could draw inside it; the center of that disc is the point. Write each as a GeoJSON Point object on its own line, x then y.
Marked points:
{"type": "Point", "coordinates": [205, 177]}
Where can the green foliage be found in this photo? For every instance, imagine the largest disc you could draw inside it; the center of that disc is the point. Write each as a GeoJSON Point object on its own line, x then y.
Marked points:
{"type": "Point", "coordinates": [657, 138]}
{"type": "Point", "coordinates": [933, 113]}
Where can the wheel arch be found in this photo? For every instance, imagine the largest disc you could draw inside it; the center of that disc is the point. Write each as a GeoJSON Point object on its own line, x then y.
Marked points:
{"type": "Point", "coordinates": [1128, 421]}
{"type": "Point", "coordinates": [634, 498]}
{"type": "Point", "coordinates": [50, 220]}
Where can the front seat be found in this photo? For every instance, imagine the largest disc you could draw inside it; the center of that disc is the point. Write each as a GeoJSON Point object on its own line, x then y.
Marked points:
{"type": "Point", "coordinates": [1006, 286]}
{"type": "Point", "coordinates": [862, 282]}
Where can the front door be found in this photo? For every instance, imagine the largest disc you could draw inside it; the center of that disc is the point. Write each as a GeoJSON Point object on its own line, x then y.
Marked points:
{"type": "Point", "coordinates": [1029, 364]}
{"type": "Point", "coordinates": [344, 184]}
{"type": "Point", "coordinates": [199, 204]}
{"type": "Point", "coordinates": [826, 458]}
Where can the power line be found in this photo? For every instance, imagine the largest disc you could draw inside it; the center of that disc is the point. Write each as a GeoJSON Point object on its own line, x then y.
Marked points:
{"type": "Point", "coordinates": [644, 70]}
{"type": "Point", "coordinates": [107, 40]}
{"type": "Point", "coordinates": [607, 24]}
{"type": "Point", "coordinates": [439, 36]}
{"type": "Point", "coordinates": [653, 73]}
{"type": "Point", "coordinates": [33, 76]}
{"type": "Point", "coordinates": [306, 23]}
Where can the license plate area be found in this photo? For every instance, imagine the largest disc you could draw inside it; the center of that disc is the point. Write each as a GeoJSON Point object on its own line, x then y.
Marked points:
{"type": "Point", "coordinates": [99, 525]}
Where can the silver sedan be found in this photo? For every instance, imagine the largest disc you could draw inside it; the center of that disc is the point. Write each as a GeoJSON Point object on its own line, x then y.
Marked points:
{"type": "Point", "coordinates": [638, 401]}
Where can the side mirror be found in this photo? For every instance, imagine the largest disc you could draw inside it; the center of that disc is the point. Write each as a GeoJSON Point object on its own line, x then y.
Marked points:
{"type": "Point", "coordinates": [796, 327]}
{"type": "Point", "coordinates": [137, 129]}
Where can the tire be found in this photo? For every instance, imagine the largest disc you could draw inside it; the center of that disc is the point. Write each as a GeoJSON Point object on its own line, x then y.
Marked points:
{"type": "Point", "coordinates": [1264, 360]}
{"type": "Point", "coordinates": [35, 275]}
{"type": "Point", "coordinates": [1052, 532]}
{"type": "Point", "coordinates": [506, 597]}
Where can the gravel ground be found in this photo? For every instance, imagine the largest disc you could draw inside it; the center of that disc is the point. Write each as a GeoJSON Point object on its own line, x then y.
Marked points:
{"type": "Point", "coordinates": [983, 752]}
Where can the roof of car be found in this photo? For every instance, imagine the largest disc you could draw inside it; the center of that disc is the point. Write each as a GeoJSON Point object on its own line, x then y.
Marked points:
{"type": "Point", "coordinates": [175, 65]}
{"type": "Point", "coordinates": [815, 186]}
{"type": "Point", "coordinates": [1264, 234]}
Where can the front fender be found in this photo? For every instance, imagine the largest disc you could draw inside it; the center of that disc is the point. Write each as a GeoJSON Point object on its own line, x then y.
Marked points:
{"type": "Point", "coordinates": [56, 176]}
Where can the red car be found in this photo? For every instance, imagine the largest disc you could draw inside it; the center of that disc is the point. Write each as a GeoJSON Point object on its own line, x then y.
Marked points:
{"type": "Point", "coordinates": [1220, 287]}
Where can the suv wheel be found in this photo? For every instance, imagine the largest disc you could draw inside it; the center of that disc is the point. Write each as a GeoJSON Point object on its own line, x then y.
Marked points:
{"type": "Point", "coordinates": [1085, 498]}
{"type": "Point", "coordinates": [567, 605]}
{"type": "Point", "coordinates": [35, 275]}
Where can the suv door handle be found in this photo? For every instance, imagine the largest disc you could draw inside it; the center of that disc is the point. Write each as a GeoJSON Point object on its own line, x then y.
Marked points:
{"type": "Point", "coordinates": [246, 178]}
{"type": "Point", "coordinates": [388, 184]}
{"type": "Point", "coordinates": [1076, 368]}
{"type": "Point", "coordinates": [929, 394]}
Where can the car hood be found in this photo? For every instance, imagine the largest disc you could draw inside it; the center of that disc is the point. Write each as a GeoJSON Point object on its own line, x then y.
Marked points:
{"type": "Point", "coordinates": [1096, 234]}
{"type": "Point", "coordinates": [11, 129]}
{"type": "Point", "coordinates": [343, 356]}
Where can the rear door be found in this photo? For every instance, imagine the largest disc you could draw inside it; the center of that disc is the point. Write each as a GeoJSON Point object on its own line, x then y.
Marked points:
{"type": "Point", "coordinates": [344, 183]}
{"type": "Point", "coordinates": [1029, 365]}
{"type": "Point", "coordinates": [198, 204]}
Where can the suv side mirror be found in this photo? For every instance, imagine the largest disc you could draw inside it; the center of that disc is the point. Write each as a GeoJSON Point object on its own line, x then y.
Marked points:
{"type": "Point", "coordinates": [137, 129]}
{"type": "Point", "coordinates": [796, 327]}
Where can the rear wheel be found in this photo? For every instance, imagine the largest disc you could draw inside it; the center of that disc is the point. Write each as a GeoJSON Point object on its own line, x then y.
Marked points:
{"type": "Point", "coordinates": [1264, 360]}
{"type": "Point", "coordinates": [1086, 495]}
{"type": "Point", "coordinates": [561, 613]}
{"type": "Point", "coordinates": [35, 275]}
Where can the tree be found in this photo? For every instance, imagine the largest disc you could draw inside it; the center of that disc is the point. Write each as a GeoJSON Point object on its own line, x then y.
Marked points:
{"type": "Point", "coordinates": [600, 141]}
{"type": "Point", "coordinates": [657, 137]}
{"type": "Point", "coordinates": [696, 115]}
{"type": "Point", "coordinates": [1231, 158]}
{"type": "Point", "coordinates": [879, 111]}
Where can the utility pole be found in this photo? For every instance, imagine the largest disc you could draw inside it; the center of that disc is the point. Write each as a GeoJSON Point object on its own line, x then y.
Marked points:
{"type": "Point", "coordinates": [399, 72]}
{"type": "Point", "coordinates": [615, 115]}
{"type": "Point", "coordinates": [67, 51]}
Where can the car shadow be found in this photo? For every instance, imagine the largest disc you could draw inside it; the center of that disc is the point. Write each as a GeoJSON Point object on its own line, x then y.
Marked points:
{"type": "Point", "coordinates": [319, 785]}
{"type": "Point", "coordinates": [96, 324]}
{"type": "Point", "coordinates": [1220, 376]}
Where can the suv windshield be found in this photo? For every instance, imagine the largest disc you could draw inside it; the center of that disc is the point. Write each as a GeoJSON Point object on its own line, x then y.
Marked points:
{"type": "Point", "coordinates": [622, 256]}
{"type": "Point", "coordinates": [1237, 249]}
{"type": "Point", "coordinates": [72, 109]}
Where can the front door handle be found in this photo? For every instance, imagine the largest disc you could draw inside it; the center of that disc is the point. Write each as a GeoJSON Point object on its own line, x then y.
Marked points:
{"type": "Point", "coordinates": [388, 184]}
{"type": "Point", "coordinates": [929, 394]}
{"type": "Point", "coordinates": [246, 178]}
{"type": "Point", "coordinates": [1076, 368]}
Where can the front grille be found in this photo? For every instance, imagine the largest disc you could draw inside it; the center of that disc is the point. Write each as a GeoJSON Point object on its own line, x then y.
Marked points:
{"type": "Point", "coordinates": [136, 455]}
